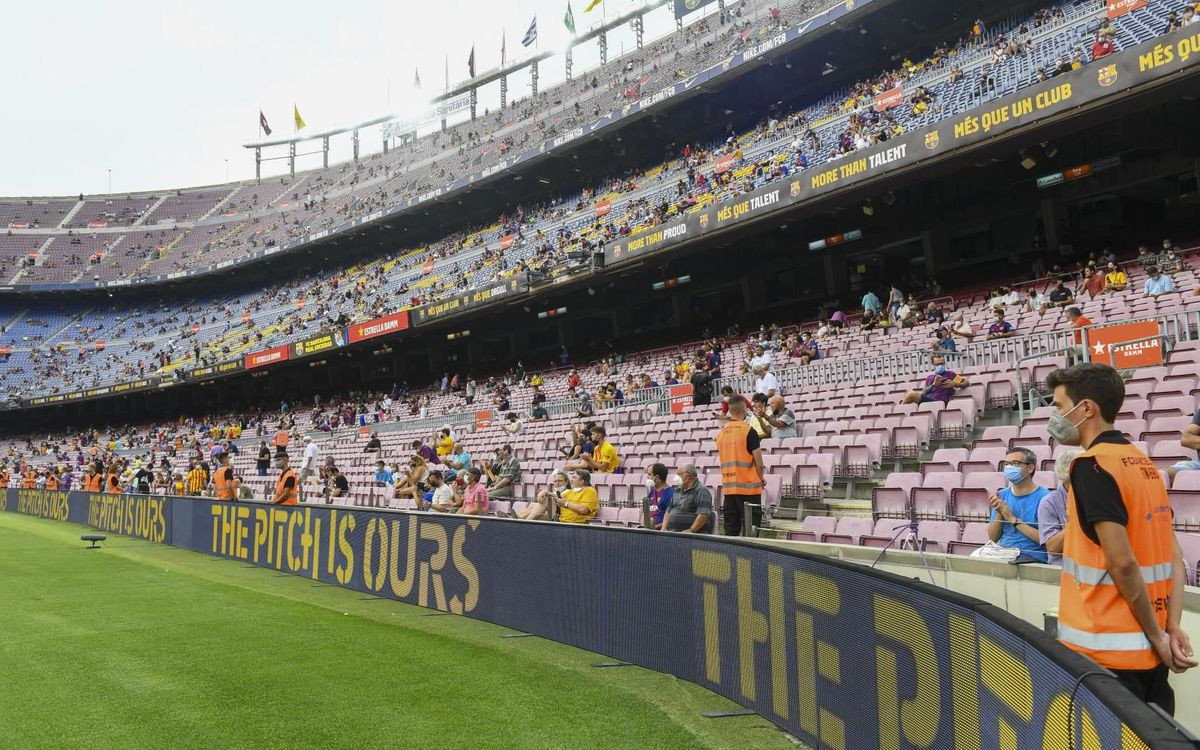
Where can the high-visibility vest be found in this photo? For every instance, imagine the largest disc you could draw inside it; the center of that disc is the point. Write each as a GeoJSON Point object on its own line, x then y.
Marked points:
{"type": "Point", "coordinates": [112, 484]}
{"type": "Point", "coordinates": [52, 482]}
{"type": "Point", "coordinates": [29, 480]}
{"type": "Point", "coordinates": [738, 475]}
{"type": "Point", "coordinates": [281, 439]}
{"type": "Point", "coordinates": [285, 496]}
{"type": "Point", "coordinates": [91, 482]}
{"type": "Point", "coordinates": [3, 479]}
{"type": "Point", "coordinates": [1093, 618]}
{"type": "Point", "coordinates": [224, 483]}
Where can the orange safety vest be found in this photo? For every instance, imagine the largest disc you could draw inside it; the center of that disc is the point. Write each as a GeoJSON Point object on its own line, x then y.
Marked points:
{"type": "Point", "coordinates": [52, 482]}
{"type": "Point", "coordinates": [224, 483]}
{"type": "Point", "coordinates": [29, 480]}
{"type": "Point", "coordinates": [738, 475]}
{"type": "Point", "coordinates": [91, 482]}
{"type": "Point", "coordinates": [1093, 618]}
{"type": "Point", "coordinates": [3, 479]}
{"type": "Point", "coordinates": [281, 439]}
{"type": "Point", "coordinates": [285, 496]}
{"type": "Point", "coordinates": [112, 484]}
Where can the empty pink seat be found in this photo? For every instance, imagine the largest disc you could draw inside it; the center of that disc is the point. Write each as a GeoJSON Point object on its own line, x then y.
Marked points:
{"type": "Point", "coordinates": [1190, 546]}
{"type": "Point", "coordinates": [974, 536]}
{"type": "Point", "coordinates": [938, 534]}
{"type": "Point", "coordinates": [820, 525]}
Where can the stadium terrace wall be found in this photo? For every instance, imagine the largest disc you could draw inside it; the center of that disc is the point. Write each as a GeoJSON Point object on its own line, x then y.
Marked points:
{"type": "Point", "coordinates": [840, 655]}
{"type": "Point", "coordinates": [1167, 55]}
{"type": "Point", "coordinates": [675, 92]}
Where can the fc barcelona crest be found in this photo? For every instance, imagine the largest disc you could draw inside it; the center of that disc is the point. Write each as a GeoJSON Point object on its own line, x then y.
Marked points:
{"type": "Point", "coordinates": [932, 140]}
{"type": "Point", "coordinates": [616, 251]}
{"type": "Point", "coordinates": [703, 221]}
{"type": "Point", "coordinates": [795, 188]}
{"type": "Point", "coordinates": [1107, 75]}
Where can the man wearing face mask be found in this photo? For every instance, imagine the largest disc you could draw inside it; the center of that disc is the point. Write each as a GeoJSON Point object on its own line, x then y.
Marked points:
{"type": "Point", "coordinates": [658, 493]}
{"type": "Point", "coordinates": [1157, 283]}
{"type": "Point", "coordinates": [939, 386]}
{"type": "Point", "coordinates": [1013, 522]}
{"type": "Point", "coordinates": [691, 506]}
{"type": "Point", "coordinates": [1121, 592]}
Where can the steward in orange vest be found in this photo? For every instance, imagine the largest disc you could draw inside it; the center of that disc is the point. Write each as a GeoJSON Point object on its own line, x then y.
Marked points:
{"type": "Point", "coordinates": [741, 465]}
{"type": "Point", "coordinates": [28, 479]}
{"type": "Point", "coordinates": [226, 485]}
{"type": "Point", "coordinates": [51, 480]}
{"type": "Point", "coordinates": [287, 486]}
{"type": "Point", "coordinates": [91, 480]}
{"type": "Point", "coordinates": [1118, 538]}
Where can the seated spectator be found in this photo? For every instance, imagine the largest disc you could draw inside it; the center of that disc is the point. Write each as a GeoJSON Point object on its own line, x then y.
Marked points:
{"type": "Point", "coordinates": [425, 452]}
{"type": "Point", "coordinates": [1115, 280]}
{"type": "Point", "coordinates": [336, 485]}
{"type": "Point", "coordinates": [585, 406]}
{"type": "Point", "coordinates": [580, 503]}
{"type": "Point", "coordinates": [1169, 260]}
{"type": "Point", "coordinates": [383, 477]}
{"type": "Point", "coordinates": [1060, 295]}
{"type": "Point", "coordinates": [1145, 258]}
{"type": "Point", "coordinates": [780, 418]}
{"type": "Point", "coordinates": [691, 507]}
{"type": "Point", "coordinates": [413, 484]}
{"type": "Point", "coordinates": [1035, 302]}
{"type": "Point", "coordinates": [1076, 319]}
{"type": "Point", "coordinates": [373, 444]}
{"type": "Point", "coordinates": [1102, 47]}
{"type": "Point", "coordinates": [604, 457]}
{"type": "Point", "coordinates": [940, 385]}
{"type": "Point", "coordinates": [906, 316]}
{"type": "Point", "coordinates": [658, 493]}
{"type": "Point", "coordinates": [869, 320]}
{"type": "Point", "coordinates": [1190, 440]}
{"type": "Point", "coordinates": [544, 506]}
{"type": "Point", "coordinates": [943, 340]}
{"type": "Point", "coordinates": [934, 315]}
{"type": "Point", "coordinates": [1001, 328]}
{"type": "Point", "coordinates": [765, 382]}
{"type": "Point", "coordinates": [726, 394]}
{"type": "Point", "coordinates": [757, 417]}
{"type": "Point", "coordinates": [1052, 513]}
{"type": "Point", "coordinates": [960, 327]}
{"type": "Point", "coordinates": [474, 494]}
{"type": "Point", "coordinates": [1014, 518]}
{"type": "Point", "coordinates": [512, 424]}
{"type": "Point", "coordinates": [539, 414]}
{"type": "Point", "coordinates": [442, 497]}
{"type": "Point", "coordinates": [1158, 283]}
{"type": "Point", "coordinates": [581, 441]}
{"type": "Point", "coordinates": [807, 349]}
{"type": "Point", "coordinates": [503, 473]}
{"type": "Point", "coordinates": [456, 462]}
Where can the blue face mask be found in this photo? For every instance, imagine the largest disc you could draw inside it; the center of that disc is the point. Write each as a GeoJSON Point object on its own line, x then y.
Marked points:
{"type": "Point", "coordinates": [940, 369]}
{"type": "Point", "coordinates": [1013, 474]}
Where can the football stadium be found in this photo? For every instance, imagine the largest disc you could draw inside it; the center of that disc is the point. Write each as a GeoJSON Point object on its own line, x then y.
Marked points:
{"type": "Point", "coordinates": [686, 374]}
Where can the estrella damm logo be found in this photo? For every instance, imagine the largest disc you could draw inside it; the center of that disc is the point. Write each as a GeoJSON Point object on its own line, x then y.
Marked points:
{"type": "Point", "coordinates": [795, 189]}
{"type": "Point", "coordinates": [932, 140]}
{"type": "Point", "coordinates": [1107, 75]}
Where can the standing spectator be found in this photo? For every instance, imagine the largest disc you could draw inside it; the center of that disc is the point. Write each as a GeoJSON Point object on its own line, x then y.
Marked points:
{"type": "Point", "coordinates": [658, 493]}
{"type": "Point", "coordinates": [281, 439]}
{"type": "Point", "coordinates": [308, 464]}
{"type": "Point", "coordinates": [1014, 518]}
{"type": "Point", "coordinates": [1001, 328]}
{"type": "Point", "coordinates": [940, 385]}
{"type": "Point", "coordinates": [1076, 319]}
{"type": "Point", "coordinates": [691, 507]}
{"type": "Point", "coordinates": [870, 303]}
{"type": "Point", "coordinates": [760, 359]}
{"type": "Point", "coordinates": [264, 459]}
{"type": "Point", "coordinates": [475, 500]}
{"type": "Point", "coordinates": [1052, 513]}
{"type": "Point", "coordinates": [1121, 595]}
{"type": "Point", "coordinates": [781, 419]}
{"type": "Point", "coordinates": [580, 503]}
{"type": "Point", "coordinates": [503, 473]}
{"type": "Point", "coordinates": [741, 466]}
{"type": "Point", "coordinates": [765, 382]}
{"type": "Point", "coordinates": [1157, 283]}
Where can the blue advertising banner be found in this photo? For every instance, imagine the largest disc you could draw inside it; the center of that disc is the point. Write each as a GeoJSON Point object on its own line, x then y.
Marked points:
{"type": "Point", "coordinates": [840, 655]}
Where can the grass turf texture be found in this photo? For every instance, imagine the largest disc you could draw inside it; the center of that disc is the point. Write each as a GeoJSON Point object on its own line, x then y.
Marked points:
{"type": "Point", "coordinates": [144, 645]}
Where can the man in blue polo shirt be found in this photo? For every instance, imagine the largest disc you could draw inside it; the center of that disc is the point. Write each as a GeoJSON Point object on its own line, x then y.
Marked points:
{"type": "Point", "coordinates": [1014, 519]}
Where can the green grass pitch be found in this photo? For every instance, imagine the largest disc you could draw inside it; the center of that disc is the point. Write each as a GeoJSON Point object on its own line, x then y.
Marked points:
{"type": "Point", "coordinates": [139, 645]}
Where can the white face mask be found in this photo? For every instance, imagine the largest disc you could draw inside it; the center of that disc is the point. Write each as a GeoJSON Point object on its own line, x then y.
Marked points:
{"type": "Point", "coordinates": [677, 480]}
{"type": "Point", "coordinates": [649, 484]}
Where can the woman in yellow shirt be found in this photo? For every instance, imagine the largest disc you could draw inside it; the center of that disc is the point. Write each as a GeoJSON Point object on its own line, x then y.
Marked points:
{"type": "Point", "coordinates": [1115, 280]}
{"type": "Point", "coordinates": [579, 504]}
{"type": "Point", "coordinates": [444, 443]}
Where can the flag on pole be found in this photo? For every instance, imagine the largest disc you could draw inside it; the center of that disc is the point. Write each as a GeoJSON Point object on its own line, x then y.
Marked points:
{"type": "Point", "coordinates": [569, 19]}
{"type": "Point", "coordinates": [531, 35]}
{"type": "Point", "coordinates": [417, 78]}
{"type": "Point", "coordinates": [297, 117]}
{"type": "Point", "coordinates": [262, 122]}
{"type": "Point", "coordinates": [471, 61]}
{"type": "Point", "coordinates": [592, 6]}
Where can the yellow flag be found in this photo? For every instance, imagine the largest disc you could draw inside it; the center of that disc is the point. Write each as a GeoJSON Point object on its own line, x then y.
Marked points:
{"type": "Point", "coordinates": [592, 5]}
{"type": "Point", "coordinates": [299, 119]}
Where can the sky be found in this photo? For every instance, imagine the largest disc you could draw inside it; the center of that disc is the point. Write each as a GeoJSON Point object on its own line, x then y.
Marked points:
{"type": "Point", "coordinates": [164, 94]}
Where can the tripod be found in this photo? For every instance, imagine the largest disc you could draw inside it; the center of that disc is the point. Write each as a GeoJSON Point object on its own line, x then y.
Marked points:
{"type": "Point", "coordinates": [908, 530]}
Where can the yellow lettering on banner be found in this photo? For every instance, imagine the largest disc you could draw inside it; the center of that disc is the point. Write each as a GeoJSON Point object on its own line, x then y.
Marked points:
{"type": "Point", "coordinates": [216, 524]}
{"type": "Point", "coordinates": [279, 519]}
{"type": "Point", "coordinates": [333, 514]}
{"type": "Point", "coordinates": [295, 520]}
{"type": "Point", "coordinates": [822, 179]}
{"type": "Point", "coordinates": [373, 578]}
{"type": "Point", "coordinates": [915, 718]}
{"type": "Point", "coordinates": [813, 593]}
{"type": "Point", "coordinates": [316, 548]}
{"type": "Point", "coordinates": [1055, 727]}
{"type": "Point", "coordinates": [964, 682]}
{"type": "Point", "coordinates": [755, 628]}
{"type": "Point", "coordinates": [852, 168]}
{"type": "Point", "coordinates": [1161, 55]}
{"type": "Point", "coordinates": [345, 570]}
{"type": "Point", "coordinates": [402, 587]}
{"type": "Point", "coordinates": [1130, 740]}
{"type": "Point", "coordinates": [1007, 678]}
{"type": "Point", "coordinates": [711, 568]}
{"type": "Point", "coordinates": [431, 571]}
{"type": "Point", "coordinates": [242, 531]}
{"type": "Point", "coordinates": [466, 569]}
{"type": "Point", "coordinates": [262, 530]}
{"type": "Point", "coordinates": [752, 629]}
{"type": "Point", "coordinates": [968, 126]}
